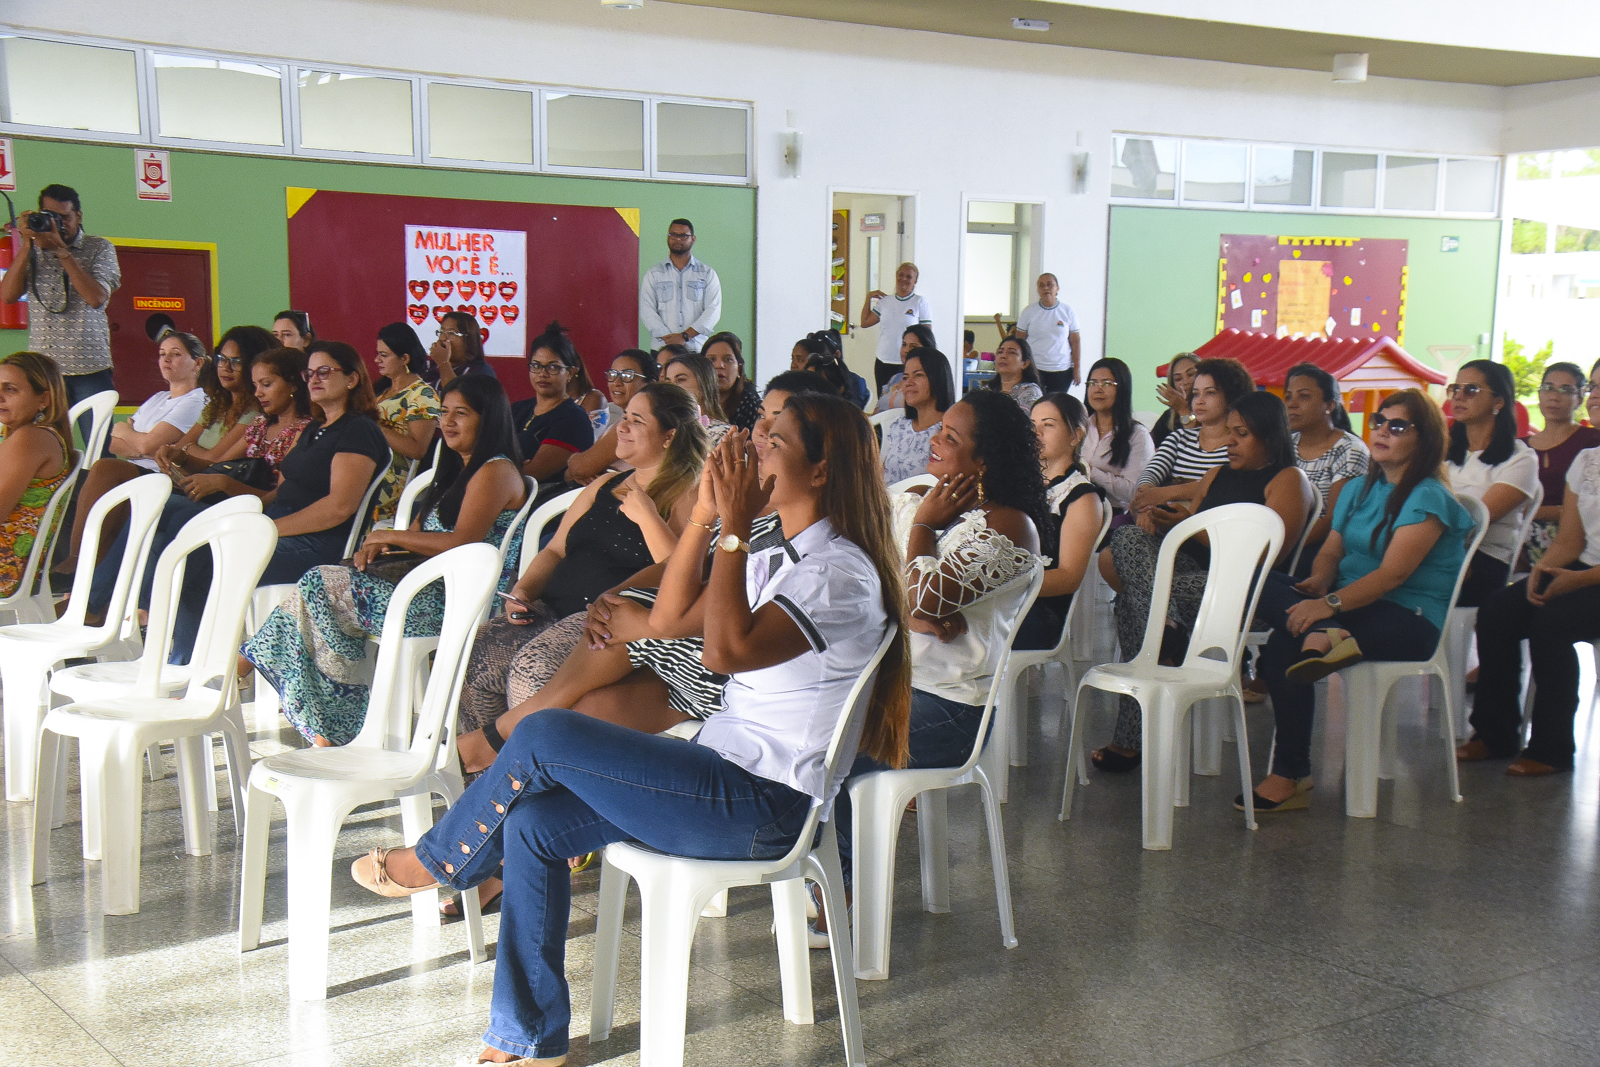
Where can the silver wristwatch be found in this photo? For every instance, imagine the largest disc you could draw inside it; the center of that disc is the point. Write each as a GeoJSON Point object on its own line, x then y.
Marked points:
{"type": "Point", "coordinates": [1333, 602]}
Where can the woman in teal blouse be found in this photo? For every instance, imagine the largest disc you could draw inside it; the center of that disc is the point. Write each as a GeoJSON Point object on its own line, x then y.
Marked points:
{"type": "Point", "coordinates": [1380, 588]}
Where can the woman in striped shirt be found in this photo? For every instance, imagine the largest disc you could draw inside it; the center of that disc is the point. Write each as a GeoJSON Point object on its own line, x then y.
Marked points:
{"type": "Point", "coordinates": [1187, 454]}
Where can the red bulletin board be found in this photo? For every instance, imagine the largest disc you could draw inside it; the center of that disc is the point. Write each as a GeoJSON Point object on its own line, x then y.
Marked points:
{"type": "Point", "coordinates": [1312, 286]}
{"type": "Point", "coordinates": [347, 268]}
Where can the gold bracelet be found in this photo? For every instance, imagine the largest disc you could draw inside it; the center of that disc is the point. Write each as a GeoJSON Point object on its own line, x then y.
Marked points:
{"type": "Point", "coordinates": [702, 525]}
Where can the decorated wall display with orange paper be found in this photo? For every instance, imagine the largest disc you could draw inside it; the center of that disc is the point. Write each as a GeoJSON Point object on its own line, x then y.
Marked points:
{"type": "Point", "coordinates": [1333, 287]}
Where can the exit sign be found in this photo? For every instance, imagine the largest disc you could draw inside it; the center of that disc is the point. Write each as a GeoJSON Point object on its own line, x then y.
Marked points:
{"type": "Point", "coordinates": [1449, 244]}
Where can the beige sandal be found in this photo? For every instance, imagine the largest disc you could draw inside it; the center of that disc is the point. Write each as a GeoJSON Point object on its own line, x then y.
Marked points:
{"type": "Point", "coordinates": [369, 872]}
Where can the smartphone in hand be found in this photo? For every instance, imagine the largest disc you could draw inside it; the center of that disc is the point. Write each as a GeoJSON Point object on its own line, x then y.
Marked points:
{"type": "Point", "coordinates": [523, 604]}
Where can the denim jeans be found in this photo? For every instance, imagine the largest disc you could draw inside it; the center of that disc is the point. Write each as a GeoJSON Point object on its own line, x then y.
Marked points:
{"type": "Point", "coordinates": [942, 732]}
{"type": "Point", "coordinates": [564, 785]}
{"type": "Point", "coordinates": [82, 387]}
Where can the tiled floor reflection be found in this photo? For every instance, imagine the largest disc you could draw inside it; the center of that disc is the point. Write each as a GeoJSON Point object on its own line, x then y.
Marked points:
{"type": "Point", "coordinates": [1438, 933]}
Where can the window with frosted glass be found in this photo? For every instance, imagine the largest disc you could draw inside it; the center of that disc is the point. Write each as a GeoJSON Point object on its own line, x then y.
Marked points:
{"type": "Point", "coordinates": [355, 113]}
{"type": "Point", "coordinates": [1144, 167]}
{"type": "Point", "coordinates": [1214, 173]}
{"type": "Point", "coordinates": [994, 212]}
{"type": "Point", "coordinates": [218, 100]}
{"type": "Point", "coordinates": [1349, 179]}
{"type": "Point", "coordinates": [69, 86]}
{"type": "Point", "coordinates": [1283, 176]}
{"type": "Point", "coordinates": [603, 132]}
{"type": "Point", "coordinates": [473, 122]}
{"type": "Point", "coordinates": [988, 275]}
{"type": "Point", "coordinates": [1410, 183]}
{"type": "Point", "coordinates": [1471, 184]}
{"type": "Point", "coordinates": [696, 139]}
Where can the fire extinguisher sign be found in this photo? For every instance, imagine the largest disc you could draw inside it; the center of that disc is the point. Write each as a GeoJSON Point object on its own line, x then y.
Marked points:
{"type": "Point", "coordinates": [152, 175]}
{"type": "Point", "coordinates": [8, 166]}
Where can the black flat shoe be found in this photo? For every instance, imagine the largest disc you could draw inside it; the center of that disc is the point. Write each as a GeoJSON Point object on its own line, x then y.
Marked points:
{"type": "Point", "coordinates": [1108, 759]}
{"type": "Point", "coordinates": [446, 916]}
{"type": "Point", "coordinates": [1300, 800]}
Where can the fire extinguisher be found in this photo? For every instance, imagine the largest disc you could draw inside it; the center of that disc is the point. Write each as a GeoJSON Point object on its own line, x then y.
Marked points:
{"type": "Point", "coordinates": [12, 316]}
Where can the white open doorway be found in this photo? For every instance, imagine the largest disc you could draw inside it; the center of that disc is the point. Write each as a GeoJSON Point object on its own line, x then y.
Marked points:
{"type": "Point", "coordinates": [872, 233]}
{"type": "Point", "coordinates": [1001, 257]}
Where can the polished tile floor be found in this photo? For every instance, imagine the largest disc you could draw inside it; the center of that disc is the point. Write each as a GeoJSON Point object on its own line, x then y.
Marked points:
{"type": "Point", "coordinates": [1438, 933]}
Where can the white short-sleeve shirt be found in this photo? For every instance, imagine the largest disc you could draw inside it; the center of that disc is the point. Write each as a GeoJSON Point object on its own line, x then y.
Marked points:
{"type": "Point", "coordinates": [180, 411]}
{"type": "Point", "coordinates": [1474, 478]}
{"type": "Point", "coordinates": [1047, 330]}
{"type": "Point", "coordinates": [895, 315]}
{"type": "Point", "coordinates": [777, 721]}
{"type": "Point", "coordinates": [1583, 478]}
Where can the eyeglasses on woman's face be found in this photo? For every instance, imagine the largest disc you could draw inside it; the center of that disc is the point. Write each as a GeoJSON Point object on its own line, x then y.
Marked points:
{"type": "Point", "coordinates": [318, 374]}
{"type": "Point", "coordinates": [537, 368]}
{"type": "Point", "coordinates": [623, 375]}
{"type": "Point", "coordinates": [1560, 390]}
{"type": "Point", "coordinates": [1101, 383]}
{"type": "Point", "coordinates": [1467, 391]}
{"type": "Point", "coordinates": [231, 362]}
{"type": "Point", "coordinates": [1394, 427]}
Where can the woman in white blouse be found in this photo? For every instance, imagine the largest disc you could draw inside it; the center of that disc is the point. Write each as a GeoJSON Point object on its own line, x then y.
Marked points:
{"type": "Point", "coordinates": [1487, 461]}
{"type": "Point", "coordinates": [1117, 447]}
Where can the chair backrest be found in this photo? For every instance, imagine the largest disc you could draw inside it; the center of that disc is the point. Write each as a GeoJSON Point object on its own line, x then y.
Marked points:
{"type": "Point", "coordinates": [533, 531]}
{"type": "Point", "coordinates": [44, 541]}
{"type": "Point", "coordinates": [1523, 528]}
{"type": "Point", "coordinates": [469, 573]}
{"type": "Point", "coordinates": [1147, 419]}
{"type": "Point", "coordinates": [905, 485]}
{"type": "Point", "coordinates": [145, 496]}
{"type": "Point", "coordinates": [1245, 539]}
{"type": "Point", "coordinates": [420, 480]}
{"type": "Point", "coordinates": [358, 525]}
{"type": "Point", "coordinates": [1480, 518]}
{"type": "Point", "coordinates": [1312, 516]}
{"type": "Point", "coordinates": [1080, 614]}
{"type": "Point", "coordinates": [1031, 579]}
{"type": "Point", "coordinates": [102, 406]}
{"type": "Point", "coordinates": [241, 541]}
{"type": "Point", "coordinates": [531, 494]}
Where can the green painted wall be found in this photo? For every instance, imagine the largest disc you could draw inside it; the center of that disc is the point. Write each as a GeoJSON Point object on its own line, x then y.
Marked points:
{"type": "Point", "coordinates": [1161, 279]}
{"type": "Point", "coordinates": [237, 202]}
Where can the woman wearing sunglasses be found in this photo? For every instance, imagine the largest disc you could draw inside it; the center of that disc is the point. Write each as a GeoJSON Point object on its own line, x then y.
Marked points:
{"type": "Point", "coordinates": [1380, 588]}
{"type": "Point", "coordinates": [631, 371]}
{"type": "Point", "coordinates": [1487, 461]}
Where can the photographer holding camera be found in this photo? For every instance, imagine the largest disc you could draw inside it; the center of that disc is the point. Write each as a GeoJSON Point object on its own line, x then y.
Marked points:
{"type": "Point", "coordinates": [68, 277]}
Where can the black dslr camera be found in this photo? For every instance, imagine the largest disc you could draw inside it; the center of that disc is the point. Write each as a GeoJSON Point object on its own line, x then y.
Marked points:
{"type": "Point", "coordinates": [44, 221]}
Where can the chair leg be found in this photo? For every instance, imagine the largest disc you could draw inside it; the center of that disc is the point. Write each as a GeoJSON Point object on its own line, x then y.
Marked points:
{"type": "Point", "coordinates": [416, 819]}
{"type": "Point", "coordinates": [933, 844]}
{"type": "Point", "coordinates": [313, 832]}
{"type": "Point", "coordinates": [253, 876]}
{"type": "Point", "coordinates": [1184, 745]}
{"type": "Point", "coordinates": [471, 910]}
{"type": "Point", "coordinates": [1016, 716]}
{"type": "Point", "coordinates": [91, 803]}
{"type": "Point", "coordinates": [718, 908]}
{"type": "Point", "coordinates": [121, 815]}
{"type": "Point", "coordinates": [43, 815]}
{"type": "Point", "coordinates": [875, 834]}
{"type": "Point", "coordinates": [997, 859]}
{"type": "Point", "coordinates": [607, 948]}
{"type": "Point", "coordinates": [1209, 716]}
{"type": "Point", "coordinates": [670, 913]}
{"type": "Point", "coordinates": [1159, 767]}
{"type": "Point", "coordinates": [236, 747]}
{"type": "Point", "coordinates": [1448, 732]}
{"type": "Point", "coordinates": [1246, 779]}
{"type": "Point", "coordinates": [156, 762]}
{"type": "Point", "coordinates": [1363, 726]}
{"type": "Point", "coordinates": [794, 959]}
{"type": "Point", "coordinates": [209, 767]}
{"type": "Point", "coordinates": [823, 863]}
{"type": "Point", "coordinates": [1075, 757]}
{"type": "Point", "coordinates": [25, 697]}
{"type": "Point", "coordinates": [59, 809]}
{"type": "Point", "coordinates": [193, 753]}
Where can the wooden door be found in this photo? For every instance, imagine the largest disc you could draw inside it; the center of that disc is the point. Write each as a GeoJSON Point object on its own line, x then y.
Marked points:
{"type": "Point", "coordinates": [174, 281]}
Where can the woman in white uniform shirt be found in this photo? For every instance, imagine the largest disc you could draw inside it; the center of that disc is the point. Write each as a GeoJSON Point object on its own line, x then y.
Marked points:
{"type": "Point", "coordinates": [1117, 447]}
{"type": "Point", "coordinates": [1052, 329]}
{"type": "Point", "coordinates": [895, 312]}
{"type": "Point", "coordinates": [794, 628]}
{"type": "Point", "coordinates": [1487, 461]}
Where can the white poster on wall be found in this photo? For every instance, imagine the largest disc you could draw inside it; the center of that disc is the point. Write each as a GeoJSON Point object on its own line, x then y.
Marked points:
{"type": "Point", "coordinates": [152, 175]}
{"type": "Point", "coordinates": [481, 272]}
{"type": "Point", "coordinates": [8, 169]}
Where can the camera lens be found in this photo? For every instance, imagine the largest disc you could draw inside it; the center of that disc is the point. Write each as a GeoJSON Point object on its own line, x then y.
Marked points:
{"type": "Point", "coordinates": [42, 221]}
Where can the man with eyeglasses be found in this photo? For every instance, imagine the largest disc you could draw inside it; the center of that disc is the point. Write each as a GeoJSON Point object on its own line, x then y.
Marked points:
{"type": "Point", "coordinates": [680, 298]}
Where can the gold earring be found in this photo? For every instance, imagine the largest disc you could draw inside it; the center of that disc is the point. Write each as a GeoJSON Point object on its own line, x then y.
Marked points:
{"type": "Point", "coordinates": [981, 495]}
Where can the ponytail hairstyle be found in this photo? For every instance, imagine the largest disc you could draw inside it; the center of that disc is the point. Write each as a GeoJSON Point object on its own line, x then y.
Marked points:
{"type": "Point", "coordinates": [1076, 417]}
{"type": "Point", "coordinates": [677, 413]}
{"type": "Point", "coordinates": [829, 370]}
{"type": "Point", "coordinates": [1122, 420]}
{"type": "Point", "coordinates": [403, 341]}
{"type": "Point", "coordinates": [496, 437]}
{"type": "Point", "coordinates": [1328, 387]}
{"type": "Point", "coordinates": [302, 324]}
{"type": "Point", "coordinates": [923, 333]}
{"type": "Point", "coordinates": [557, 343]}
{"type": "Point", "coordinates": [855, 501]}
{"type": "Point", "coordinates": [1427, 459]}
{"type": "Point", "coordinates": [44, 377]}
{"type": "Point", "coordinates": [1030, 373]}
{"type": "Point", "coordinates": [361, 401]}
{"type": "Point", "coordinates": [1268, 421]}
{"type": "Point", "coordinates": [706, 378]}
{"type": "Point", "coordinates": [1504, 441]}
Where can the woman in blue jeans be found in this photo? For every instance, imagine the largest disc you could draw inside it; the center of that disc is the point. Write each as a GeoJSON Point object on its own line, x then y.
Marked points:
{"type": "Point", "coordinates": [1380, 588]}
{"type": "Point", "coordinates": [793, 628]}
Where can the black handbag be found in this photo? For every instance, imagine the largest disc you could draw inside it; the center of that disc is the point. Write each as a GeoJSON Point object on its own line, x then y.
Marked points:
{"type": "Point", "coordinates": [253, 472]}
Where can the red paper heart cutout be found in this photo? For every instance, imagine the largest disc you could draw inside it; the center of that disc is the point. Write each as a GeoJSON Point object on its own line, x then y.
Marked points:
{"type": "Point", "coordinates": [488, 312]}
{"type": "Point", "coordinates": [508, 313]}
{"type": "Point", "coordinates": [468, 309]}
{"type": "Point", "coordinates": [417, 312]}
{"type": "Point", "coordinates": [483, 335]}
{"type": "Point", "coordinates": [508, 290]}
{"type": "Point", "coordinates": [468, 290]}
{"type": "Point", "coordinates": [487, 289]}
{"type": "Point", "coordinates": [439, 312]}
{"type": "Point", "coordinates": [442, 289]}
{"type": "Point", "coordinates": [419, 289]}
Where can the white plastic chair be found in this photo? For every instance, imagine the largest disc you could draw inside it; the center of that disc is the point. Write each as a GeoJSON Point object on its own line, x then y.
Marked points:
{"type": "Point", "coordinates": [319, 787]}
{"type": "Point", "coordinates": [1462, 622]}
{"type": "Point", "coordinates": [674, 890]}
{"type": "Point", "coordinates": [1011, 710]}
{"type": "Point", "coordinates": [113, 732]}
{"type": "Point", "coordinates": [407, 503]}
{"type": "Point", "coordinates": [905, 485]}
{"type": "Point", "coordinates": [880, 422]}
{"type": "Point", "coordinates": [1369, 732]}
{"type": "Point", "coordinates": [102, 409]}
{"type": "Point", "coordinates": [32, 601]}
{"type": "Point", "coordinates": [878, 801]}
{"type": "Point", "coordinates": [30, 651]}
{"type": "Point", "coordinates": [550, 511]}
{"type": "Point", "coordinates": [1253, 535]}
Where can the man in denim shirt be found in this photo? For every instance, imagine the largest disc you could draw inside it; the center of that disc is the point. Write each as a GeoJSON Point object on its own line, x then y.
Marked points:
{"type": "Point", "coordinates": [680, 298]}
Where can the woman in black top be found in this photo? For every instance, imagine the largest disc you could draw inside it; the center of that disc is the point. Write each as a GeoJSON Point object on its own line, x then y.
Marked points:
{"type": "Point", "coordinates": [551, 426]}
{"type": "Point", "coordinates": [1261, 469]}
{"type": "Point", "coordinates": [321, 483]}
{"type": "Point", "coordinates": [741, 401]}
{"type": "Point", "coordinates": [1174, 394]}
{"type": "Point", "coordinates": [616, 527]}
{"type": "Point", "coordinates": [459, 349]}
